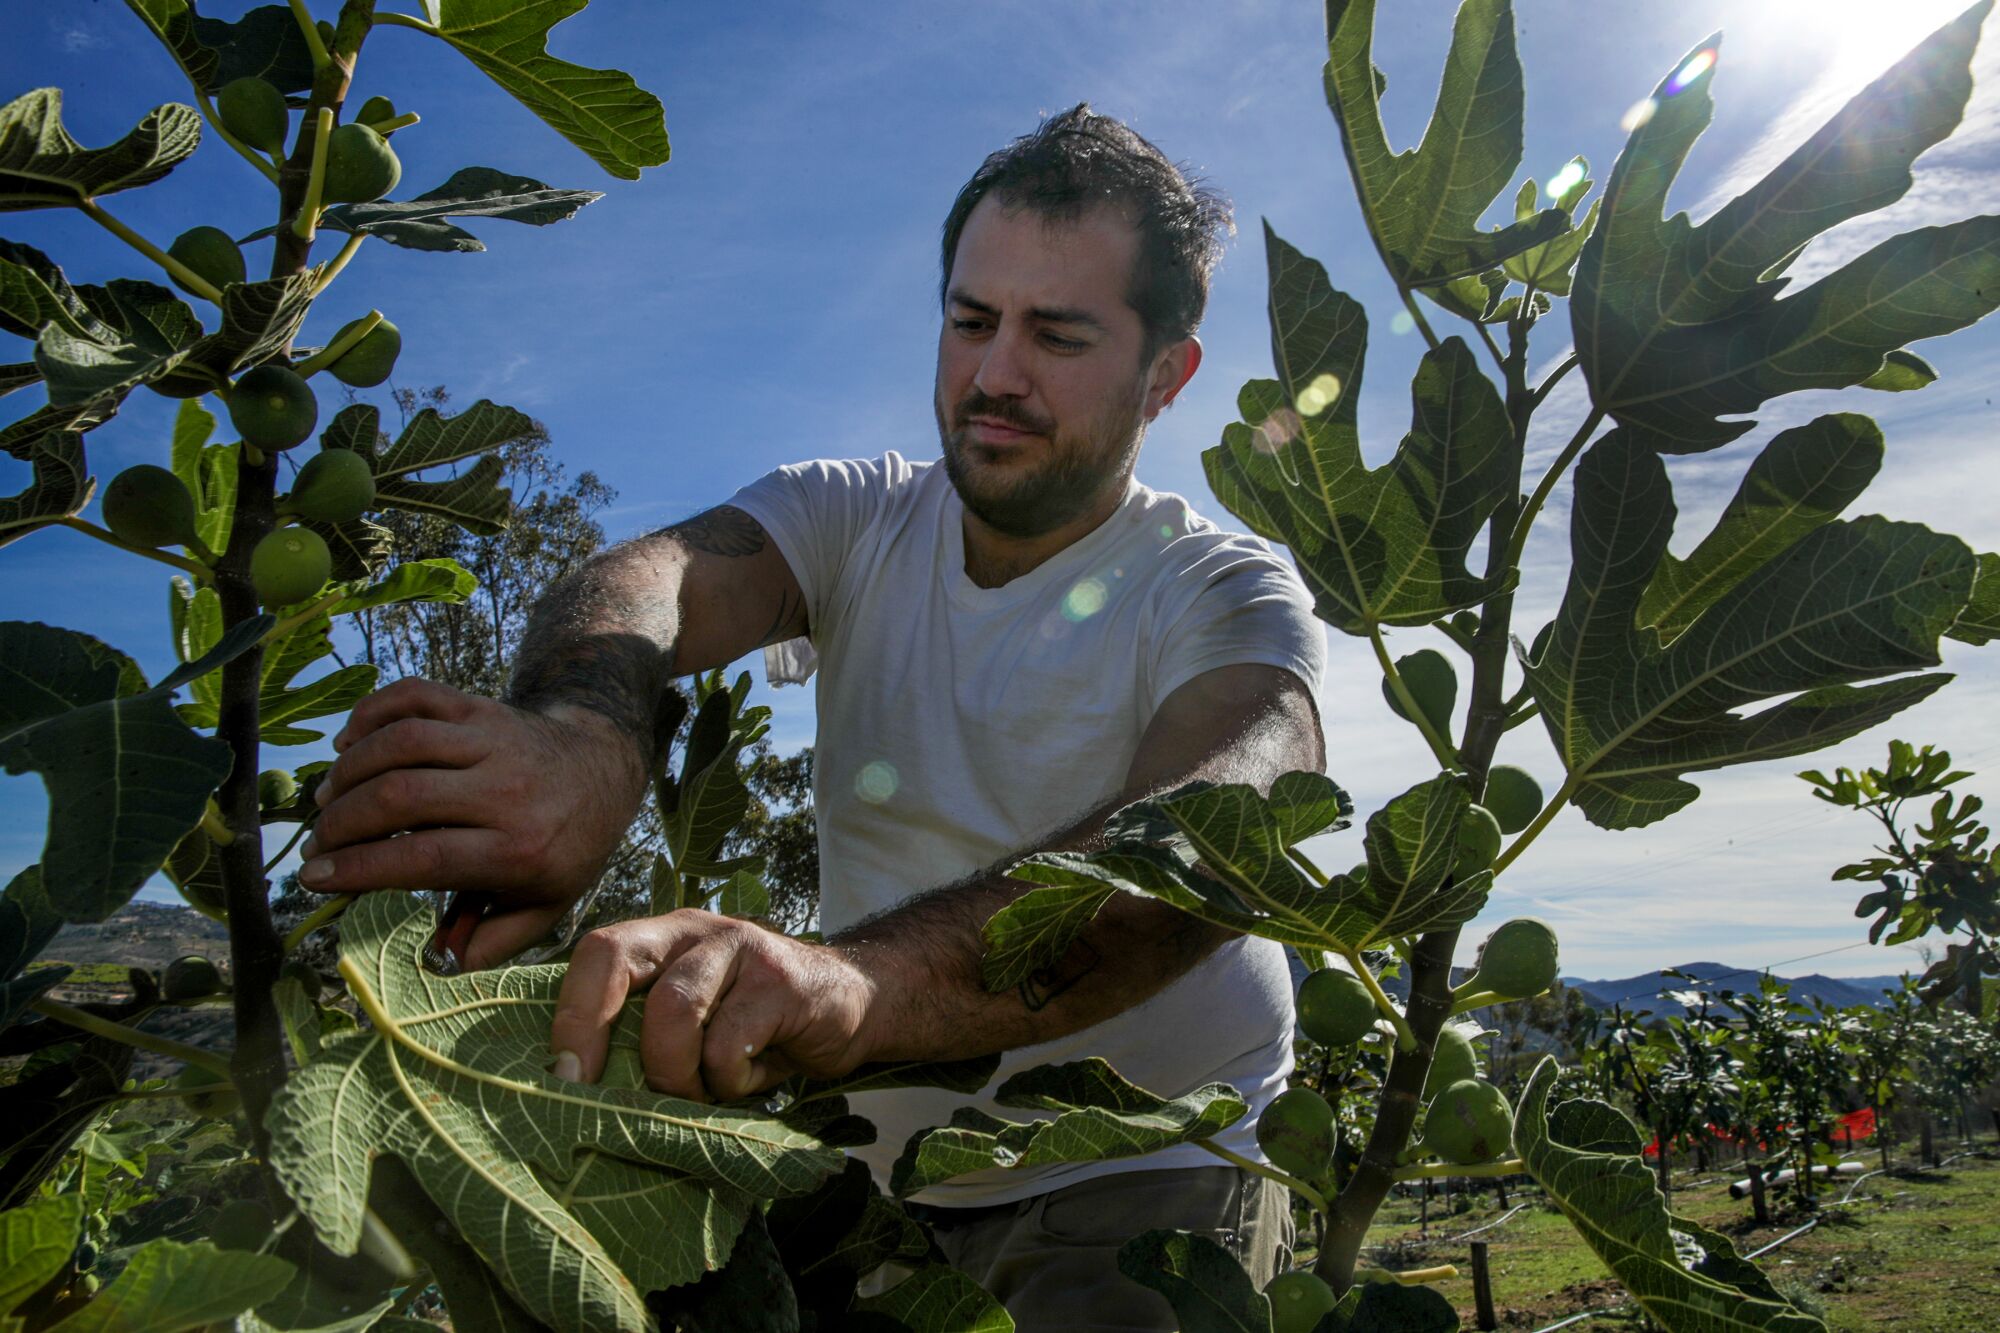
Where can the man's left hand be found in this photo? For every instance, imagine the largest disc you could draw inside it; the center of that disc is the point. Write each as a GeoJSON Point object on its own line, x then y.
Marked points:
{"type": "Point", "coordinates": [731, 1008]}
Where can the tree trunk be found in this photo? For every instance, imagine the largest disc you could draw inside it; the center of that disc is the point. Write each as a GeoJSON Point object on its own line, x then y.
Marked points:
{"type": "Point", "coordinates": [1500, 1182]}
{"type": "Point", "coordinates": [1759, 1207]}
{"type": "Point", "coordinates": [1665, 1167]}
{"type": "Point", "coordinates": [1482, 1288]}
{"type": "Point", "coordinates": [1929, 1145]}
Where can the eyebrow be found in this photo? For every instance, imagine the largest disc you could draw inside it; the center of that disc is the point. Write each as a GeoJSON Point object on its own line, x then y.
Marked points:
{"type": "Point", "coordinates": [1042, 313]}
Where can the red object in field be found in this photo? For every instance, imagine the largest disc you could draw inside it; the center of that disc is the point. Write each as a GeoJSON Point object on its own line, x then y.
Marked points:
{"type": "Point", "coordinates": [1856, 1125]}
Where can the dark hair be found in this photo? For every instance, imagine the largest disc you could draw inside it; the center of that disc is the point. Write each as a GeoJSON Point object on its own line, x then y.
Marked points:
{"type": "Point", "coordinates": [1076, 160]}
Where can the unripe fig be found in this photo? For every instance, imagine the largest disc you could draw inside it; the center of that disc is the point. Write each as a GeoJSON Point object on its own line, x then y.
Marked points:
{"type": "Point", "coordinates": [1478, 841]}
{"type": "Point", "coordinates": [149, 506]}
{"type": "Point", "coordinates": [360, 166]}
{"type": "Point", "coordinates": [368, 362]}
{"type": "Point", "coordinates": [1296, 1133]}
{"type": "Point", "coordinates": [376, 110]}
{"type": "Point", "coordinates": [206, 1093]}
{"type": "Point", "coordinates": [1432, 683]}
{"type": "Point", "coordinates": [289, 565]}
{"type": "Point", "coordinates": [272, 407]}
{"type": "Point", "coordinates": [241, 1224]}
{"type": "Point", "coordinates": [1335, 1009]}
{"type": "Point", "coordinates": [189, 978]}
{"type": "Point", "coordinates": [1468, 1122]}
{"type": "Point", "coordinates": [1299, 1300]}
{"type": "Point", "coordinates": [276, 787]}
{"type": "Point", "coordinates": [1517, 961]}
{"type": "Point", "coordinates": [255, 112]}
{"type": "Point", "coordinates": [1453, 1059]}
{"type": "Point", "coordinates": [335, 486]}
{"type": "Point", "coordinates": [211, 254]}
{"type": "Point", "coordinates": [1514, 797]}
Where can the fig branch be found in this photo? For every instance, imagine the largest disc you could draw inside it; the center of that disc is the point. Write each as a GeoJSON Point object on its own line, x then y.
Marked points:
{"type": "Point", "coordinates": [180, 272]}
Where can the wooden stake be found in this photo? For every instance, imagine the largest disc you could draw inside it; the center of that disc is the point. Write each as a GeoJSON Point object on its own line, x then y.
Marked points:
{"type": "Point", "coordinates": [1482, 1288]}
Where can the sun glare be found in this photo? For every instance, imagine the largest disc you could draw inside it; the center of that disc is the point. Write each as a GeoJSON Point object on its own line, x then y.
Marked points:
{"type": "Point", "coordinates": [1855, 40]}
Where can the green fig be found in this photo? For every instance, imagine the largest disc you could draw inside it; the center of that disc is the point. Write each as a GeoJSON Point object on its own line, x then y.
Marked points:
{"type": "Point", "coordinates": [360, 166]}
{"type": "Point", "coordinates": [1517, 961]}
{"type": "Point", "coordinates": [368, 362]}
{"type": "Point", "coordinates": [1335, 1008]}
{"type": "Point", "coordinates": [211, 254]}
{"type": "Point", "coordinates": [1296, 1133]}
{"type": "Point", "coordinates": [1468, 1122]}
{"type": "Point", "coordinates": [289, 565]}
{"type": "Point", "coordinates": [1478, 841]}
{"type": "Point", "coordinates": [189, 978]}
{"type": "Point", "coordinates": [255, 112]}
{"type": "Point", "coordinates": [1514, 797]}
{"type": "Point", "coordinates": [335, 486]}
{"type": "Point", "coordinates": [149, 506]}
{"type": "Point", "coordinates": [276, 787]}
{"type": "Point", "coordinates": [1432, 683]}
{"type": "Point", "coordinates": [206, 1093]}
{"type": "Point", "coordinates": [272, 407]}
{"type": "Point", "coordinates": [1451, 1060]}
{"type": "Point", "coordinates": [1299, 1300]}
{"type": "Point", "coordinates": [374, 111]}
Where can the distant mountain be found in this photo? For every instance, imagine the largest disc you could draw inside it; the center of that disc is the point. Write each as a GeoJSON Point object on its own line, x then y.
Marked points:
{"type": "Point", "coordinates": [1649, 990]}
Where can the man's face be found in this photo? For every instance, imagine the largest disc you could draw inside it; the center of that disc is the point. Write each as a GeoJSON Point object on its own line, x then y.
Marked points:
{"type": "Point", "coordinates": [1041, 394]}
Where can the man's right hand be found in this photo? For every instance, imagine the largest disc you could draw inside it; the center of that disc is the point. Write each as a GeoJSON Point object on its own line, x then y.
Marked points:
{"type": "Point", "coordinates": [524, 806]}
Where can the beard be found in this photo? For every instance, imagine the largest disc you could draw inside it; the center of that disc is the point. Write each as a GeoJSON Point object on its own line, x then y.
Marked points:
{"type": "Point", "coordinates": [1074, 475]}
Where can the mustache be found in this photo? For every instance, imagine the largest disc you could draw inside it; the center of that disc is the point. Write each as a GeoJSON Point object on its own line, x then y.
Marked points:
{"type": "Point", "coordinates": [1003, 410]}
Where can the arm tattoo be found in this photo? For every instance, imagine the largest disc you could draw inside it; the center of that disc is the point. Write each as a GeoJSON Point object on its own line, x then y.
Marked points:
{"type": "Point", "coordinates": [723, 530]}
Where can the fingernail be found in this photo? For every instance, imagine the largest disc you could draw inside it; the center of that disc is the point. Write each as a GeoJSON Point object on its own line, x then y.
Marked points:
{"type": "Point", "coordinates": [322, 793]}
{"type": "Point", "coordinates": [316, 872]}
{"type": "Point", "coordinates": [340, 739]}
{"type": "Point", "coordinates": [568, 1067]}
{"type": "Point", "coordinates": [309, 846]}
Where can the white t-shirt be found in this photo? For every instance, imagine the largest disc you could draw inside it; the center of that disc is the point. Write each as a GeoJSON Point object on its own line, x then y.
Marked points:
{"type": "Point", "coordinates": [959, 725]}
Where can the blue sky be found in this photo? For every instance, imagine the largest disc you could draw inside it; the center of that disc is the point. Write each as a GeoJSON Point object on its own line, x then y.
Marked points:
{"type": "Point", "coordinates": [769, 295]}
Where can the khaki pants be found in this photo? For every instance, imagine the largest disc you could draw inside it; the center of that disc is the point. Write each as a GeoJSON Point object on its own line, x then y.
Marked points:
{"type": "Point", "coordinates": [1053, 1260]}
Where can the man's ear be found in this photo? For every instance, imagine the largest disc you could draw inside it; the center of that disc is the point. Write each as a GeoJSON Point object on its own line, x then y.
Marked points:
{"type": "Point", "coordinates": [1172, 369]}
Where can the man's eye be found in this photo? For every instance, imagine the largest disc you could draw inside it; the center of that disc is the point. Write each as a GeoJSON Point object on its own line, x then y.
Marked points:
{"type": "Point", "coordinates": [968, 325]}
{"type": "Point", "coordinates": [1062, 344]}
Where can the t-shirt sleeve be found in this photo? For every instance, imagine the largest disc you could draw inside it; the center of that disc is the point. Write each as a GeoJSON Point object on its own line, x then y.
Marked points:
{"type": "Point", "coordinates": [1239, 604]}
{"type": "Point", "coordinates": [817, 513]}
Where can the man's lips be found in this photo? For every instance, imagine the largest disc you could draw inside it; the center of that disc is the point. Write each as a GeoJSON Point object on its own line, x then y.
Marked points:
{"type": "Point", "coordinates": [987, 431]}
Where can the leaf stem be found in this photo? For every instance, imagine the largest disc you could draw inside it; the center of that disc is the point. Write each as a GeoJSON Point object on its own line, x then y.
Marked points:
{"type": "Point", "coordinates": [1476, 1000]}
{"type": "Point", "coordinates": [305, 826]}
{"type": "Point", "coordinates": [1292, 1183]}
{"type": "Point", "coordinates": [332, 268]}
{"type": "Point", "coordinates": [1547, 386]}
{"type": "Point", "coordinates": [306, 224]}
{"type": "Point", "coordinates": [181, 273]}
{"type": "Point", "coordinates": [1417, 314]}
{"type": "Point", "coordinates": [1519, 540]}
{"type": "Point", "coordinates": [1443, 752]}
{"type": "Point", "coordinates": [250, 155]}
{"type": "Point", "coordinates": [1534, 830]}
{"type": "Point", "coordinates": [214, 826]}
{"type": "Point", "coordinates": [1406, 1040]}
{"type": "Point", "coordinates": [1305, 865]}
{"type": "Point", "coordinates": [298, 618]}
{"type": "Point", "coordinates": [85, 1021]}
{"type": "Point", "coordinates": [1408, 1277]}
{"type": "Point", "coordinates": [320, 57]}
{"type": "Point", "coordinates": [395, 20]}
{"type": "Point", "coordinates": [327, 912]}
{"type": "Point", "coordinates": [194, 568]}
{"type": "Point", "coordinates": [339, 347]}
{"type": "Point", "coordinates": [1486, 336]}
{"type": "Point", "coordinates": [394, 123]}
{"type": "Point", "coordinates": [1526, 714]}
{"type": "Point", "coordinates": [1506, 1166]}
{"type": "Point", "coordinates": [1444, 626]}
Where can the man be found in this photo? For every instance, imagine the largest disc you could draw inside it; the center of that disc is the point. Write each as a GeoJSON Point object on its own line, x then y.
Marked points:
{"type": "Point", "coordinates": [1010, 648]}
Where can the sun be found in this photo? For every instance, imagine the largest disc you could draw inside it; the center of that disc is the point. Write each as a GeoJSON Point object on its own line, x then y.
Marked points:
{"type": "Point", "coordinates": [1852, 41]}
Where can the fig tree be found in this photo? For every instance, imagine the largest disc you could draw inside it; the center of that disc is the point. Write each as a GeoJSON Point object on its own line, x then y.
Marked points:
{"type": "Point", "coordinates": [1335, 1008]}
{"type": "Point", "coordinates": [206, 1093]}
{"type": "Point", "coordinates": [1517, 961]}
{"type": "Point", "coordinates": [289, 565]}
{"type": "Point", "coordinates": [1468, 1122]}
{"type": "Point", "coordinates": [368, 362]}
{"type": "Point", "coordinates": [276, 787]}
{"type": "Point", "coordinates": [149, 506]}
{"type": "Point", "coordinates": [361, 167]}
{"type": "Point", "coordinates": [376, 110]}
{"type": "Point", "coordinates": [189, 978]}
{"type": "Point", "coordinates": [272, 407]}
{"type": "Point", "coordinates": [1478, 841]}
{"type": "Point", "coordinates": [335, 486]}
{"type": "Point", "coordinates": [1299, 1300]}
{"type": "Point", "coordinates": [306, 975]}
{"type": "Point", "coordinates": [1432, 683]}
{"type": "Point", "coordinates": [1514, 797]}
{"type": "Point", "coordinates": [255, 112]}
{"type": "Point", "coordinates": [211, 254]}
{"type": "Point", "coordinates": [1296, 1133]}
{"type": "Point", "coordinates": [1451, 1060]}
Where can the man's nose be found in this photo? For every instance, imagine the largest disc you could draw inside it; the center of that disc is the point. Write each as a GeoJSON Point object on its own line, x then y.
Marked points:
{"type": "Point", "coordinates": [1003, 368]}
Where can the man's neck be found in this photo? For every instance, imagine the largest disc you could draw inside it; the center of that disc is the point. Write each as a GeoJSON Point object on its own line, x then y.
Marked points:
{"type": "Point", "coordinates": [993, 558]}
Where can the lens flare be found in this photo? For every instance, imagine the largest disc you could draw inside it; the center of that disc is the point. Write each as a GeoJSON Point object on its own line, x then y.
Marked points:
{"type": "Point", "coordinates": [876, 782]}
{"type": "Point", "coordinates": [1698, 64]}
{"type": "Point", "coordinates": [1565, 180]}
{"type": "Point", "coordinates": [1278, 430]}
{"type": "Point", "coordinates": [1085, 600]}
{"type": "Point", "coordinates": [1321, 394]}
{"type": "Point", "coordinates": [1402, 322]}
{"type": "Point", "coordinates": [1638, 114]}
